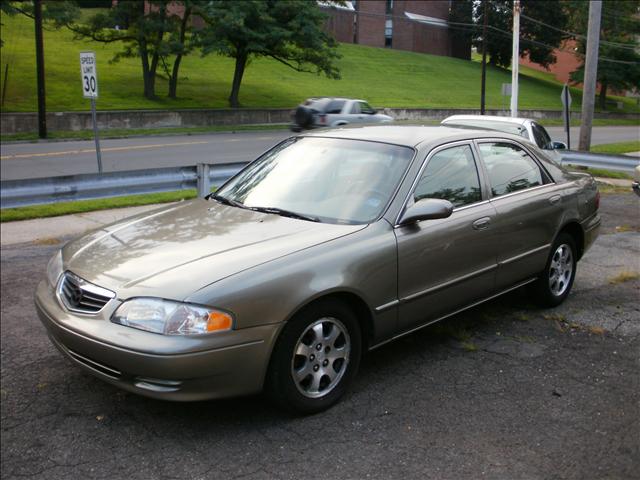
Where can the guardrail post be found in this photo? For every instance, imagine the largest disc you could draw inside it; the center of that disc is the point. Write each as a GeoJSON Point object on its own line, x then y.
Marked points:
{"type": "Point", "coordinates": [204, 183]}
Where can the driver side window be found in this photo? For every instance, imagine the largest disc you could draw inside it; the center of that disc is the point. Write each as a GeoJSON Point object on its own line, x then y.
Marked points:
{"type": "Point", "coordinates": [452, 175]}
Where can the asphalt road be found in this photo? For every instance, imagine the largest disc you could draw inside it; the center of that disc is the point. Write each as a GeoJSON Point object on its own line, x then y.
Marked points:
{"type": "Point", "coordinates": [505, 391]}
{"type": "Point", "coordinates": [31, 160]}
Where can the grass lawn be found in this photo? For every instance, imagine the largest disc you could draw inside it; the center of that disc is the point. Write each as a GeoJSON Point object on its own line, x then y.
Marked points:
{"type": "Point", "coordinates": [68, 208]}
{"type": "Point", "coordinates": [617, 148]}
{"type": "Point", "coordinates": [387, 78]}
{"type": "Point", "coordinates": [597, 122]}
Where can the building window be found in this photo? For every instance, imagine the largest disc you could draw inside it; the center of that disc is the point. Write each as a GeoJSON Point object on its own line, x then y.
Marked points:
{"type": "Point", "coordinates": [389, 7]}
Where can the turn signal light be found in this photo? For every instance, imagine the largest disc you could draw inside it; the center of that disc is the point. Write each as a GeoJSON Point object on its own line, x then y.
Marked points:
{"type": "Point", "coordinates": [219, 321]}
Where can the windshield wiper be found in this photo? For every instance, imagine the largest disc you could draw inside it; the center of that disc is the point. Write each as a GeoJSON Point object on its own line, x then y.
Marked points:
{"type": "Point", "coordinates": [225, 200]}
{"type": "Point", "coordinates": [285, 213]}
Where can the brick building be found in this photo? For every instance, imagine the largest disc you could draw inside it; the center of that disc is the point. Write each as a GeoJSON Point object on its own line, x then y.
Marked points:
{"type": "Point", "coordinates": [414, 25]}
{"type": "Point", "coordinates": [566, 62]}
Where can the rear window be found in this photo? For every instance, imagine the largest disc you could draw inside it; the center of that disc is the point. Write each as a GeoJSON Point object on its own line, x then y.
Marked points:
{"type": "Point", "coordinates": [317, 104]}
{"type": "Point", "coordinates": [325, 105]}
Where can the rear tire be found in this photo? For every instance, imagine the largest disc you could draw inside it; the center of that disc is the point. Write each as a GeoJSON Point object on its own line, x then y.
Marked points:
{"type": "Point", "coordinates": [315, 358]}
{"type": "Point", "coordinates": [555, 282]}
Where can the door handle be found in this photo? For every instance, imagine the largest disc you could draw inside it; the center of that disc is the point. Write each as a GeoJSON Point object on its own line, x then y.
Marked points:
{"type": "Point", "coordinates": [482, 223]}
{"type": "Point", "coordinates": [555, 199]}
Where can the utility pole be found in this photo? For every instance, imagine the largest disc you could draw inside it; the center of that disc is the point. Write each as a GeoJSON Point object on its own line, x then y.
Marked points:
{"type": "Point", "coordinates": [484, 57]}
{"type": "Point", "coordinates": [590, 74]}
{"type": "Point", "coordinates": [42, 109]}
{"type": "Point", "coordinates": [515, 58]}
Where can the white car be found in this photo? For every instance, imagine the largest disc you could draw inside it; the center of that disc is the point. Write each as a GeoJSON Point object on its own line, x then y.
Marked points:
{"type": "Point", "coordinates": [334, 112]}
{"type": "Point", "coordinates": [525, 127]}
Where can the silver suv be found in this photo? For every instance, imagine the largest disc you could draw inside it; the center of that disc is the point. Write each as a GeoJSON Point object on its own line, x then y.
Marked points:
{"type": "Point", "coordinates": [334, 112]}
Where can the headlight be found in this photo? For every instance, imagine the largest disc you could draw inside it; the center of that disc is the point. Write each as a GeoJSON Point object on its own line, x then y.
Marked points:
{"type": "Point", "coordinates": [54, 269]}
{"type": "Point", "coordinates": [171, 318]}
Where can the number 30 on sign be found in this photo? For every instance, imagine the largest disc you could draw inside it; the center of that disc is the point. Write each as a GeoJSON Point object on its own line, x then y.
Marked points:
{"type": "Point", "coordinates": [89, 74]}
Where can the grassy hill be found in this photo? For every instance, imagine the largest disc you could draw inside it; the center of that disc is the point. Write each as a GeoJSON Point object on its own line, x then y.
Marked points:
{"type": "Point", "coordinates": [389, 78]}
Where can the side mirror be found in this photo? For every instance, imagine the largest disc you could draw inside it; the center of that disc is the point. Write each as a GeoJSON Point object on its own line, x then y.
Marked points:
{"type": "Point", "coordinates": [558, 146]}
{"type": "Point", "coordinates": [373, 111]}
{"type": "Point", "coordinates": [427, 209]}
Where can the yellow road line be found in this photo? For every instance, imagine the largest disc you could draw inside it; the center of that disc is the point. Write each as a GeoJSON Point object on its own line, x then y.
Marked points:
{"type": "Point", "coordinates": [91, 150]}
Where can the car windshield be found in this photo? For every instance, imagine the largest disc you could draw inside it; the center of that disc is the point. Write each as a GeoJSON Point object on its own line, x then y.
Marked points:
{"type": "Point", "coordinates": [327, 179]}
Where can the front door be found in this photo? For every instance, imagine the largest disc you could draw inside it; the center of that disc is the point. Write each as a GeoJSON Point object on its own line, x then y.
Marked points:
{"type": "Point", "coordinates": [448, 263]}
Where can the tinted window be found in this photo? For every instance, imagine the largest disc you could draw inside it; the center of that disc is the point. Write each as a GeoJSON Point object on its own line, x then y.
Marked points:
{"type": "Point", "coordinates": [510, 168]}
{"type": "Point", "coordinates": [335, 106]}
{"type": "Point", "coordinates": [451, 174]}
{"type": "Point", "coordinates": [542, 137]}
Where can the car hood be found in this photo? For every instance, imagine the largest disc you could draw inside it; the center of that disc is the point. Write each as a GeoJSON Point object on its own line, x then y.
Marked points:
{"type": "Point", "coordinates": [177, 250]}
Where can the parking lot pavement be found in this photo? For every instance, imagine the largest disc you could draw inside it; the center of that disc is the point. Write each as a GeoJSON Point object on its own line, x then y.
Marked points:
{"type": "Point", "coordinates": [504, 391]}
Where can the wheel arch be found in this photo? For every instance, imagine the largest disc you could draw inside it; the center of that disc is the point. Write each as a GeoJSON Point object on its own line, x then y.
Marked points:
{"type": "Point", "coordinates": [574, 229]}
{"type": "Point", "coordinates": [356, 304]}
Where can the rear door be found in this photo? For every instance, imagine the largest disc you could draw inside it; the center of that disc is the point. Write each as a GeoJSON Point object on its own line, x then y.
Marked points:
{"type": "Point", "coordinates": [529, 206]}
{"type": "Point", "coordinates": [447, 263]}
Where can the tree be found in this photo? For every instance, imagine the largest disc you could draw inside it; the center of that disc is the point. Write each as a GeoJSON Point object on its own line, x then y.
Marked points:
{"type": "Point", "coordinates": [536, 39]}
{"type": "Point", "coordinates": [290, 32]}
{"type": "Point", "coordinates": [461, 12]}
{"type": "Point", "coordinates": [52, 12]}
{"type": "Point", "coordinates": [146, 29]}
{"type": "Point", "coordinates": [180, 44]}
{"type": "Point", "coordinates": [618, 58]}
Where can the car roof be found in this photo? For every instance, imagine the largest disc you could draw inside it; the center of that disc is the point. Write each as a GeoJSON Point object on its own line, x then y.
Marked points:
{"type": "Point", "coordinates": [410, 136]}
{"type": "Point", "coordinates": [492, 118]}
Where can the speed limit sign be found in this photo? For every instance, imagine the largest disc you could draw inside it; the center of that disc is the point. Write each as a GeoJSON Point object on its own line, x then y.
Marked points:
{"type": "Point", "coordinates": [89, 74]}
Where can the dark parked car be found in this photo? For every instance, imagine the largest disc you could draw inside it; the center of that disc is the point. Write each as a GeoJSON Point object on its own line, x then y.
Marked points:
{"type": "Point", "coordinates": [334, 112]}
{"type": "Point", "coordinates": [328, 245]}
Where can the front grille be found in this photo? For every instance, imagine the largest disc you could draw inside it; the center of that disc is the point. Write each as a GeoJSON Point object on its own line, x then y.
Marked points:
{"type": "Point", "coordinates": [81, 296]}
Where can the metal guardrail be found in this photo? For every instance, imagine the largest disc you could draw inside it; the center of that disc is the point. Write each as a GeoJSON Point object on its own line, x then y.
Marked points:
{"type": "Point", "coordinates": [621, 163]}
{"type": "Point", "coordinates": [38, 191]}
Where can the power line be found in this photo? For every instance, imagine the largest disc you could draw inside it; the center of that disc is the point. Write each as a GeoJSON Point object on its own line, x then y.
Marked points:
{"type": "Point", "coordinates": [627, 46]}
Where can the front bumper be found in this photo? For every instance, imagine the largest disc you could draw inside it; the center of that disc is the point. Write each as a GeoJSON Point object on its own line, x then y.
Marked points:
{"type": "Point", "coordinates": [169, 368]}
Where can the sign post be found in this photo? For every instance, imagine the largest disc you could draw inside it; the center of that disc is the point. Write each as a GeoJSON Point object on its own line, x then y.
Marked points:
{"type": "Point", "coordinates": [566, 112]}
{"type": "Point", "coordinates": [506, 92]}
{"type": "Point", "coordinates": [89, 75]}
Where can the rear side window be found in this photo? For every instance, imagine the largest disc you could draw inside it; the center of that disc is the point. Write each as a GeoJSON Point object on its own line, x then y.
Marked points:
{"type": "Point", "coordinates": [451, 174]}
{"type": "Point", "coordinates": [510, 168]}
{"type": "Point", "coordinates": [335, 106]}
{"type": "Point", "coordinates": [355, 108]}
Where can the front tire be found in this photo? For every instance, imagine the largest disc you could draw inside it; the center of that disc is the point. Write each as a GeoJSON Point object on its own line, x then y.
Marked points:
{"type": "Point", "coordinates": [555, 282]}
{"type": "Point", "coordinates": [315, 358]}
